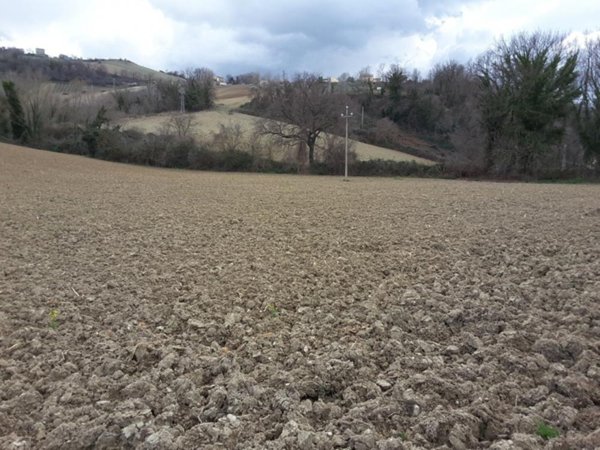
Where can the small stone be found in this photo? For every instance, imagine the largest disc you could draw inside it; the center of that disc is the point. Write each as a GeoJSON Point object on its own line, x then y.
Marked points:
{"type": "Point", "coordinates": [168, 361]}
{"type": "Point", "coordinates": [161, 439]}
{"type": "Point", "coordinates": [452, 350]}
{"type": "Point", "coordinates": [412, 408]}
{"type": "Point", "coordinates": [503, 445]}
{"type": "Point", "coordinates": [131, 430]}
{"type": "Point", "coordinates": [141, 352]}
{"type": "Point", "coordinates": [19, 444]}
{"type": "Point", "coordinates": [39, 430]}
{"type": "Point", "coordinates": [378, 328]}
{"type": "Point", "coordinates": [231, 319]}
{"type": "Point", "coordinates": [196, 324]}
{"type": "Point", "coordinates": [384, 384]}
{"type": "Point", "coordinates": [306, 440]}
{"type": "Point", "coordinates": [364, 441]}
{"type": "Point", "coordinates": [390, 444]}
{"type": "Point", "coordinates": [526, 441]}
{"type": "Point", "coordinates": [232, 418]}
{"type": "Point", "coordinates": [107, 440]}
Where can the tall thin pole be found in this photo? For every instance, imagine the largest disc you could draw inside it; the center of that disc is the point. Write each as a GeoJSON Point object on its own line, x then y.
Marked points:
{"type": "Point", "coordinates": [346, 152]}
{"type": "Point", "coordinates": [346, 116]}
{"type": "Point", "coordinates": [362, 117]}
{"type": "Point", "coordinates": [181, 99]}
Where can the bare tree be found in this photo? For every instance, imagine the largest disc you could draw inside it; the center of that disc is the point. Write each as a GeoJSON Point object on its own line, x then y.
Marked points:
{"type": "Point", "coordinates": [300, 111]}
{"type": "Point", "coordinates": [452, 83]}
{"type": "Point", "coordinates": [588, 111]}
{"type": "Point", "coordinates": [178, 125]}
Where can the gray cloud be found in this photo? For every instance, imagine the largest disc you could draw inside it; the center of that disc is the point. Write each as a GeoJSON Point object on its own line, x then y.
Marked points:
{"type": "Point", "coordinates": [326, 36]}
{"type": "Point", "coordinates": [312, 23]}
{"type": "Point", "coordinates": [305, 35]}
{"type": "Point", "coordinates": [443, 7]}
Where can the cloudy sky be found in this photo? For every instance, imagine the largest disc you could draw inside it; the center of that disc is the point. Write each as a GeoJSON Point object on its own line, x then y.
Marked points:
{"type": "Point", "coordinates": [324, 36]}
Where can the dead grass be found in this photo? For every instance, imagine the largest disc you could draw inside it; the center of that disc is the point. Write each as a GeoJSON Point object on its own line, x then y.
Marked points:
{"type": "Point", "coordinates": [230, 97]}
{"type": "Point", "coordinates": [206, 122]}
{"type": "Point", "coordinates": [128, 68]}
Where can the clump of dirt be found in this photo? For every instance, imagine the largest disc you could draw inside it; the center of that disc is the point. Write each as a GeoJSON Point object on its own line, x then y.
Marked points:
{"type": "Point", "coordinates": [145, 308]}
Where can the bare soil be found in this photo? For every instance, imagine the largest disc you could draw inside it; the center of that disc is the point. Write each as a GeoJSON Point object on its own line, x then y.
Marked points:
{"type": "Point", "coordinates": [233, 91]}
{"type": "Point", "coordinates": [147, 308]}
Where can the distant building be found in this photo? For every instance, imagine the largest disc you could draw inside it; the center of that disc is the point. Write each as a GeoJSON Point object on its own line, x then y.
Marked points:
{"type": "Point", "coordinates": [40, 52]}
{"type": "Point", "coordinates": [220, 81]}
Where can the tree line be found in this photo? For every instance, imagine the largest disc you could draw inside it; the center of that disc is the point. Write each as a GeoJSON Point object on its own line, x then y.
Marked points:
{"type": "Point", "coordinates": [528, 107]}
{"type": "Point", "coordinates": [31, 109]}
{"type": "Point", "coordinates": [60, 70]}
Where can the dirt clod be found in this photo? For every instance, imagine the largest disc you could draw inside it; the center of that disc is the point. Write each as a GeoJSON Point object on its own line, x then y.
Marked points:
{"type": "Point", "coordinates": [159, 309]}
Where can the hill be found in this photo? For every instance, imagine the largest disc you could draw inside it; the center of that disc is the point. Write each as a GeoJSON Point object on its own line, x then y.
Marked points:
{"type": "Point", "coordinates": [228, 98]}
{"type": "Point", "coordinates": [129, 70]}
{"type": "Point", "coordinates": [64, 69]}
{"type": "Point", "coordinates": [72, 78]}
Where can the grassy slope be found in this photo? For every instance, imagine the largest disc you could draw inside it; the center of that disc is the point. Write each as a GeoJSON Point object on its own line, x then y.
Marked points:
{"type": "Point", "coordinates": [131, 69]}
{"type": "Point", "coordinates": [230, 97]}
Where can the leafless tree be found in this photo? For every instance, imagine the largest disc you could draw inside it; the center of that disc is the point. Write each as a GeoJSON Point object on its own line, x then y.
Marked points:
{"type": "Point", "coordinates": [178, 125]}
{"type": "Point", "coordinates": [300, 111]}
{"type": "Point", "coordinates": [588, 111]}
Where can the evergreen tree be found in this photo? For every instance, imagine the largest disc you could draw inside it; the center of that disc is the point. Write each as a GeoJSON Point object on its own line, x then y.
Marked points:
{"type": "Point", "coordinates": [527, 88]}
{"type": "Point", "coordinates": [17, 116]}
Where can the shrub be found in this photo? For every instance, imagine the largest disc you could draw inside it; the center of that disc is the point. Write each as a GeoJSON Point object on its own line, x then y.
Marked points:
{"type": "Point", "coordinates": [334, 154]}
{"type": "Point", "coordinates": [379, 167]}
{"type": "Point", "coordinates": [199, 158]}
{"type": "Point", "coordinates": [176, 154]}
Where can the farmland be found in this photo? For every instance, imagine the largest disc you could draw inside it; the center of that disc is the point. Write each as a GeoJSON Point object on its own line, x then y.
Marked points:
{"type": "Point", "coordinates": [228, 98]}
{"type": "Point", "coordinates": [152, 308]}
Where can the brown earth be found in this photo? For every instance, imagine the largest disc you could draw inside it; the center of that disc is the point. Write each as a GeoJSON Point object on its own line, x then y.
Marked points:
{"type": "Point", "coordinates": [147, 308]}
{"type": "Point", "coordinates": [236, 91]}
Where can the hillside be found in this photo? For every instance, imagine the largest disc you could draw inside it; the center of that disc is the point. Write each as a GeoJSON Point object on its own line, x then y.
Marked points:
{"type": "Point", "coordinates": [88, 81]}
{"type": "Point", "coordinates": [129, 70]}
{"type": "Point", "coordinates": [228, 98]}
{"type": "Point", "coordinates": [206, 122]}
{"type": "Point", "coordinates": [64, 69]}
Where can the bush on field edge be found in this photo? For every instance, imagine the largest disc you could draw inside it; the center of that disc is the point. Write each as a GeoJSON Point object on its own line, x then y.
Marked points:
{"type": "Point", "coordinates": [172, 151]}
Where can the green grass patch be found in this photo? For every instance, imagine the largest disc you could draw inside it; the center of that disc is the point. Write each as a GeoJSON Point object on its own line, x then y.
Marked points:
{"type": "Point", "coordinates": [546, 431]}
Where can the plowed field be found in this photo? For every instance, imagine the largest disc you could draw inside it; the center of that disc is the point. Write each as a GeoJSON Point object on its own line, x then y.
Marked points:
{"type": "Point", "coordinates": [148, 308]}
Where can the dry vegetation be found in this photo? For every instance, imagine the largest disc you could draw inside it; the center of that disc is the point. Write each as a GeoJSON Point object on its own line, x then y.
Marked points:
{"type": "Point", "coordinates": [155, 308]}
{"type": "Point", "coordinates": [228, 98]}
{"type": "Point", "coordinates": [130, 69]}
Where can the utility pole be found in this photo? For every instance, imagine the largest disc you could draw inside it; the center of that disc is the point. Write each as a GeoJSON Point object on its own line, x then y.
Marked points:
{"type": "Point", "coordinates": [346, 116]}
{"type": "Point", "coordinates": [362, 117]}
{"type": "Point", "coordinates": [181, 99]}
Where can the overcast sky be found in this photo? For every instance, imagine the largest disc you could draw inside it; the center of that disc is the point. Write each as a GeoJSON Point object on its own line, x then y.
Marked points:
{"type": "Point", "coordinates": [324, 36]}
